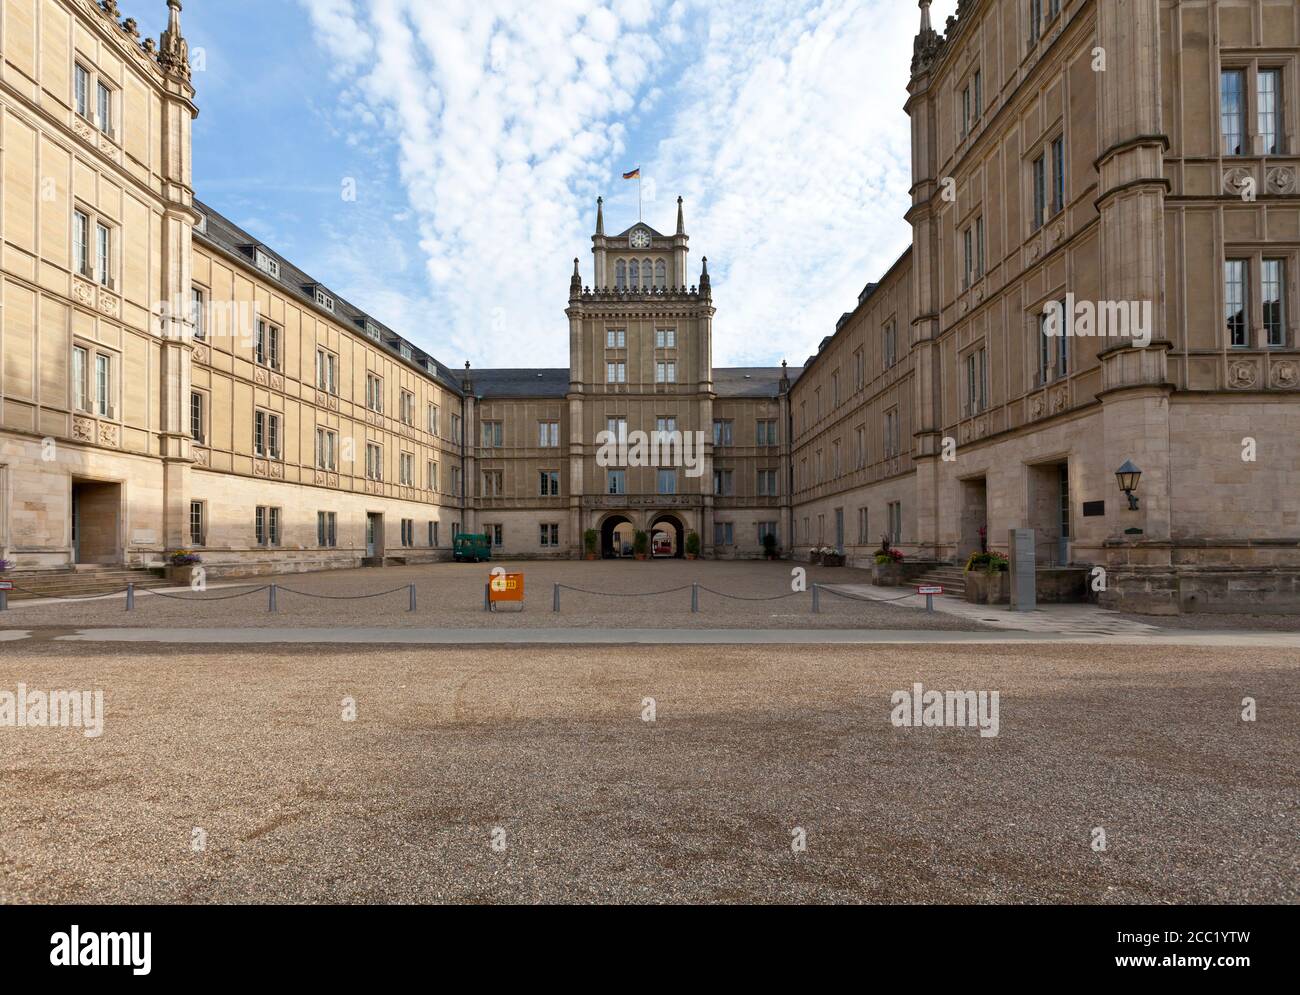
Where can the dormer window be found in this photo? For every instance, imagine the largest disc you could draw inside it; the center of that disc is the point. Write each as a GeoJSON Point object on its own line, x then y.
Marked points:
{"type": "Point", "coordinates": [325, 300]}
{"type": "Point", "coordinates": [267, 264]}
{"type": "Point", "coordinates": [405, 350]}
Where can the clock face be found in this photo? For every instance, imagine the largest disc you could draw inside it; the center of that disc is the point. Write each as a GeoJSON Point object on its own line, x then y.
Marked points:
{"type": "Point", "coordinates": [640, 239]}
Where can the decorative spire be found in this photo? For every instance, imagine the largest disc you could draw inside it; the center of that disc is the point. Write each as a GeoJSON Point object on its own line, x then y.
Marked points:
{"type": "Point", "coordinates": [600, 215]}
{"type": "Point", "coordinates": [681, 220]}
{"type": "Point", "coordinates": [928, 43]}
{"type": "Point", "coordinates": [575, 284]}
{"type": "Point", "coordinates": [173, 49]}
{"type": "Point", "coordinates": [705, 287]}
{"type": "Point", "coordinates": [925, 16]}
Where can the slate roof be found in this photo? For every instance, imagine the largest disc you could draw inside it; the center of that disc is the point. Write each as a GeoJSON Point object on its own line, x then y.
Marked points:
{"type": "Point", "coordinates": [520, 382]}
{"type": "Point", "coordinates": [750, 381]}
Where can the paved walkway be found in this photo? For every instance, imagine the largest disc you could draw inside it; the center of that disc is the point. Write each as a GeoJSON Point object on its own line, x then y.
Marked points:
{"type": "Point", "coordinates": [666, 637]}
{"type": "Point", "coordinates": [1065, 620]}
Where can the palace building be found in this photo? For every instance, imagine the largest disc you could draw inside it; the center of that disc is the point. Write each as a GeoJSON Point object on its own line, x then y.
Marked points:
{"type": "Point", "coordinates": [169, 381]}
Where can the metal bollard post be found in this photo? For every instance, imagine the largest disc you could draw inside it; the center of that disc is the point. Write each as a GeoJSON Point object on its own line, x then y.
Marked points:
{"type": "Point", "coordinates": [130, 597]}
{"type": "Point", "coordinates": [487, 596]}
{"type": "Point", "coordinates": [4, 600]}
{"type": "Point", "coordinates": [816, 601]}
{"type": "Point", "coordinates": [929, 603]}
{"type": "Point", "coordinates": [271, 607]}
{"type": "Point", "coordinates": [555, 599]}
{"type": "Point", "coordinates": [695, 596]}
{"type": "Point", "coordinates": [412, 590]}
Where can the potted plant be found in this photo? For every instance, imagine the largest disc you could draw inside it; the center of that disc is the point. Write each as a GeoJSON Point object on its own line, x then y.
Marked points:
{"type": "Point", "coordinates": [986, 579]}
{"type": "Point", "coordinates": [769, 545]}
{"type": "Point", "coordinates": [832, 557]}
{"type": "Point", "coordinates": [5, 566]}
{"type": "Point", "coordinates": [692, 545]}
{"type": "Point", "coordinates": [640, 544]}
{"type": "Point", "coordinates": [589, 540]}
{"type": "Point", "coordinates": [888, 571]}
{"type": "Point", "coordinates": [181, 564]}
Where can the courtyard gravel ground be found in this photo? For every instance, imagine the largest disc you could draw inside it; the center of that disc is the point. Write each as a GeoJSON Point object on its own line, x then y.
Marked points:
{"type": "Point", "coordinates": [549, 746]}
{"type": "Point", "coordinates": [450, 595]}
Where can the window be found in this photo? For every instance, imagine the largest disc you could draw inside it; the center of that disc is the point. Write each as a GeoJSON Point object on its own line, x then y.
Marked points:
{"type": "Point", "coordinates": [1234, 302]}
{"type": "Point", "coordinates": [266, 345]}
{"type": "Point", "coordinates": [1040, 191]}
{"type": "Point", "coordinates": [616, 372]}
{"type": "Point", "coordinates": [835, 459]}
{"type": "Point", "coordinates": [374, 392]}
{"type": "Point", "coordinates": [197, 420]}
{"type": "Point", "coordinates": [406, 469]}
{"type": "Point", "coordinates": [374, 461]}
{"type": "Point", "coordinates": [667, 482]}
{"type": "Point", "coordinates": [197, 521]}
{"type": "Point", "coordinates": [968, 257]}
{"type": "Point", "coordinates": [767, 529]}
{"type": "Point", "coordinates": [104, 108]}
{"type": "Point", "coordinates": [266, 434]}
{"type": "Point", "coordinates": [864, 533]}
{"type": "Point", "coordinates": [1273, 299]}
{"type": "Point", "coordinates": [406, 407]}
{"type": "Point", "coordinates": [634, 274]}
{"type": "Point", "coordinates": [890, 345]}
{"type": "Point", "coordinates": [1058, 175]}
{"type": "Point", "coordinates": [616, 427]}
{"type": "Point", "coordinates": [80, 379]}
{"type": "Point", "coordinates": [665, 424]}
{"type": "Point", "coordinates": [860, 446]}
{"type": "Point", "coordinates": [977, 88]}
{"type": "Point", "coordinates": [666, 338]}
{"type": "Point", "coordinates": [766, 432]}
{"type": "Point", "coordinates": [326, 449]}
{"type": "Point", "coordinates": [1268, 101]}
{"type": "Point", "coordinates": [721, 432]}
{"type": "Point", "coordinates": [457, 483]}
{"type": "Point", "coordinates": [891, 433]}
{"type": "Point", "coordinates": [495, 534]}
{"type": "Point", "coordinates": [1035, 20]}
{"type": "Point", "coordinates": [550, 483]}
{"type": "Point", "coordinates": [665, 372]}
{"type": "Point", "coordinates": [431, 475]}
{"type": "Point", "coordinates": [267, 263]}
{"type": "Point", "coordinates": [661, 275]}
{"type": "Point", "coordinates": [965, 112]}
{"type": "Point", "coordinates": [325, 300]}
{"type": "Point", "coordinates": [859, 370]}
{"type": "Point", "coordinates": [433, 419]}
{"type": "Point", "coordinates": [198, 313]}
{"type": "Point", "coordinates": [977, 389]}
{"type": "Point", "coordinates": [493, 483]}
{"type": "Point", "coordinates": [103, 255]}
{"type": "Point", "coordinates": [835, 389]}
{"type": "Point", "coordinates": [615, 481]}
{"type": "Point", "coordinates": [548, 434]}
{"type": "Point", "coordinates": [492, 434]}
{"type": "Point", "coordinates": [979, 247]}
{"type": "Point", "coordinates": [81, 90]}
{"type": "Point", "coordinates": [724, 534]}
{"type": "Point", "coordinates": [103, 385]}
{"type": "Point", "coordinates": [615, 338]}
{"type": "Point", "coordinates": [895, 521]}
{"type": "Point", "coordinates": [327, 372]}
{"type": "Point", "coordinates": [326, 529]}
{"type": "Point", "coordinates": [767, 483]}
{"type": "Point", "coordinates": [722, 483]}
{"type": "Point", "coordinates": [620, 278]}
{"type": "Point", "coordinates": [550, 534]}
{"type": "Point", "coordinates": [1053, 350]}
{"type": "Point", "coordinates": [81, 243]}
{"type": "Point", "coordinates": [456, 435]}
{"type": "Point", "coordinates": [408, 532]}
{"type": "Point", "coordinates": [433, 533]}
{"type": "Point", "coordinates": [267, 526]}
{"type": "Point", "coordinates": [1232, 112]}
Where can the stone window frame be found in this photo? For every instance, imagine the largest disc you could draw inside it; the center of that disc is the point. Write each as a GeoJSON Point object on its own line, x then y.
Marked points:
{"type": "Point", "coordinates": [94, 351]}
{"type": "Point", "coordinates": [1059, 363]}
{"type": "Point", "coordinates": [204, 412]}
{"type": "Point", "coordinates": [266, 450]}
{"type": "Point", "coordinates": [95, 80]}
{"type": "Point", "coordinates": [95, 220]}
{"type": "Point", "coordinates": [548, 483]}
{"type": "Point", "coordinates": [331, 465]}
{"type": "Point", "coordinates": [375, 465]}
{"type": "Point", "coordinates": [405, 468]}
{"type": "Point", "coordinates": [268, 345]}
{"type": "Point", "coordinates": [1257, 335]}
{"type": "Point", "coordinates": [331, 378]}
{"type": "Point", "coordinates": [970, 404]}
{"type": "Point", "coordinates": [201, 540]}
{"type": "Point", "coordinates": [549, 534]}
{"type": "Point", "coordinates": [1043, 151]}
{"type": "Point", "coordinates": [1250, 66]}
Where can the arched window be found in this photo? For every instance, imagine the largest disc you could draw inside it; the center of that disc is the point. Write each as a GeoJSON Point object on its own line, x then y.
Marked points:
{"type": "Point", "coordinates": [620, 274]}
{"type": "Point", "coordinates": [661, 275]}
{"type": "Point", "coordinates": [647, 274]}
{"type": "Point", "coordinates": [634, 274]}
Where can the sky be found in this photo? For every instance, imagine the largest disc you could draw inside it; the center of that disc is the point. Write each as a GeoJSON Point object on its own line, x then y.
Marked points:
{"type": "Point", "coordinates": [437, 162]}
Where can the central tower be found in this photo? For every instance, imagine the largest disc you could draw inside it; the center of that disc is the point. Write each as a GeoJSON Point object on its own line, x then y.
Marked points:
{"type": "Point", "coordinates": [641, 360]}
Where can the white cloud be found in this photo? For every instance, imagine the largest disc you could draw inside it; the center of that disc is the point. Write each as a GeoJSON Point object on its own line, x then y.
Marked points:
{"type": "Point", "coordinates": [780, 122]}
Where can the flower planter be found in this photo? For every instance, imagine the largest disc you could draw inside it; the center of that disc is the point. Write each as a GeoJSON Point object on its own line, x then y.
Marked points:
{"type": "Point", "coordinates": [181, 576]}
{"type": "Point", "coordinates": [592, 556]}
{"type": "Point", "coordinates": [888, 574]}
{"type": "Point", "coordinates": [642, 556]}
{"type": "Point", "coordinates": [984, 588]}
{"type": "Point", "coordinates": [692, 556]}
{"type": "Point", "coordinates": [832, 560]}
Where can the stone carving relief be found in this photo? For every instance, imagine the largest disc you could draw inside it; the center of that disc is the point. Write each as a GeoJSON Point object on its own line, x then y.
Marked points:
{"type": "Point", "coordinates": [277, 471]}
{"type": "Point", "coordinates": [259, 376]}
{"type": "Point", "coordinates": [1242, 374]}
{"type": "Point", "coordinates": [83, 429]}
{"type": "Point", "coordinates": [201, 457]}
{"type": "Point", "coordinates": [1060, 399]}
{"type": "Point", "coordinates": [259, 468]}
{"type": "Point", "coordinates": [1286, 375]}
{"type": "Point", "coordinates": [1235, 180]}
{"type": "Point", "coordinates": [277, 382]}
{"type": "Point", "coordinates": [83, 292]}
{"type": "Point", "coordinates": [108, 435]}
{"type": "Point", "coordinates": [108, 303]}
{"type": "Point", "coordinates": [1280, 180]}
{"type": "Point", "coordinates": [200, 353]}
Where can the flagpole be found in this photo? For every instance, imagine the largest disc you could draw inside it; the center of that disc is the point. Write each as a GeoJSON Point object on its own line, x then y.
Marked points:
{"type": "Point", "coordinates": [639, 212]}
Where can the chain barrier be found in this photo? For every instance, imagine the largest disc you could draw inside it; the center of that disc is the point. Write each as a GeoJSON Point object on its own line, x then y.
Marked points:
{"type": "Point", "coordinates": [620, 594]}
{"type": "Point", "coordinates": [342, 597]}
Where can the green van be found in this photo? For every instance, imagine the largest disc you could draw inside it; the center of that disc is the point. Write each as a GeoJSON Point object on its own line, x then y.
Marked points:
{"type": "Point", "coordinates": [470, 548]}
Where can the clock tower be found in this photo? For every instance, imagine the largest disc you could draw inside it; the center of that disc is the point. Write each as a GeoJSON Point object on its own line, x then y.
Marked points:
{"type": "Point", "coordinates": [641, 363]}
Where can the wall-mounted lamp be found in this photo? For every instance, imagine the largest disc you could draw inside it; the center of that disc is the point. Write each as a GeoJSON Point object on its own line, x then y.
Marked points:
{"type": "Point", "coordinates": [1128, 476]}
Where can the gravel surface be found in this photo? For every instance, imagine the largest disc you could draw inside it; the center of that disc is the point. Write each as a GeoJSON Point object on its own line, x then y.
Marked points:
{"type": "Point", "coordinates": [1222, 622]}
{"type": "Point", "coordinates": [450, 595]}
{"type": "Point", "coordinates": [548, 745]}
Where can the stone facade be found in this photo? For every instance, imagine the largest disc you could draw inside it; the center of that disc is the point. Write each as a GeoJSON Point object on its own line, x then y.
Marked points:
{"type": "Point", "coordinates": [186, 386]}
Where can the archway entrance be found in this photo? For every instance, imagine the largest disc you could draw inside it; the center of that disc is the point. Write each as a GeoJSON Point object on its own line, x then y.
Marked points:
{"type": "Point", "coordinates": [667, 537]}
{"type": "Point", "coordinates": [616, 535]}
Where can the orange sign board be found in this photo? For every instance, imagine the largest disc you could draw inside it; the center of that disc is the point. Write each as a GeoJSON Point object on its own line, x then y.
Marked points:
{"type": "Point", "coordinates": [506, 587]}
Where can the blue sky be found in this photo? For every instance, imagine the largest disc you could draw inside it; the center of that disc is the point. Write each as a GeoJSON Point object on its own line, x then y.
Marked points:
{"type": "Point", "coordinates": [478, 134]}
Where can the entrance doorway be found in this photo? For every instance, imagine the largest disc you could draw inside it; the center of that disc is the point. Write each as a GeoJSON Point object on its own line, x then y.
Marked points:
{"type": "Point", "coordinates": [374, 535]}
{"type": "Point", "coordinates": [974, 517]}
{"type": "Point", "coordinates": [1049, 512]}
{"type": "Point", "coordinates": [668, 537]}
{"type": "Point", "coordinates": [96, 519]}
{"type": "Point", "coordinates": [616, 535]}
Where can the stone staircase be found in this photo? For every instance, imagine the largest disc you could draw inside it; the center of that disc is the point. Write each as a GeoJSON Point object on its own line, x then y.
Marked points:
{"type": "Point", "coordinates": [950, 576]}
{"type": "Point", "coordinates": [79, 582]}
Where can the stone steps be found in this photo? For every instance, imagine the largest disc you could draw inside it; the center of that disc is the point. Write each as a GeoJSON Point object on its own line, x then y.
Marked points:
{"type": "Point", "coordinates": [951, 578]}
{"type": "Point", "coordinates": [79, 583]}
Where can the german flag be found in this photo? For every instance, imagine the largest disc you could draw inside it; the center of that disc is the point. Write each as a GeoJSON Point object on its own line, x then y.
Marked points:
{"type": "Point", "coordinates": [634, 175]}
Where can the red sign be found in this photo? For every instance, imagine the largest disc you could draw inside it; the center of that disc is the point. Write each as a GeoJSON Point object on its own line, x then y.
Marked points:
{"type": "Point", "coordinates": [6, 585]}
{"type": "Point", "coordinates": [929, 589]}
